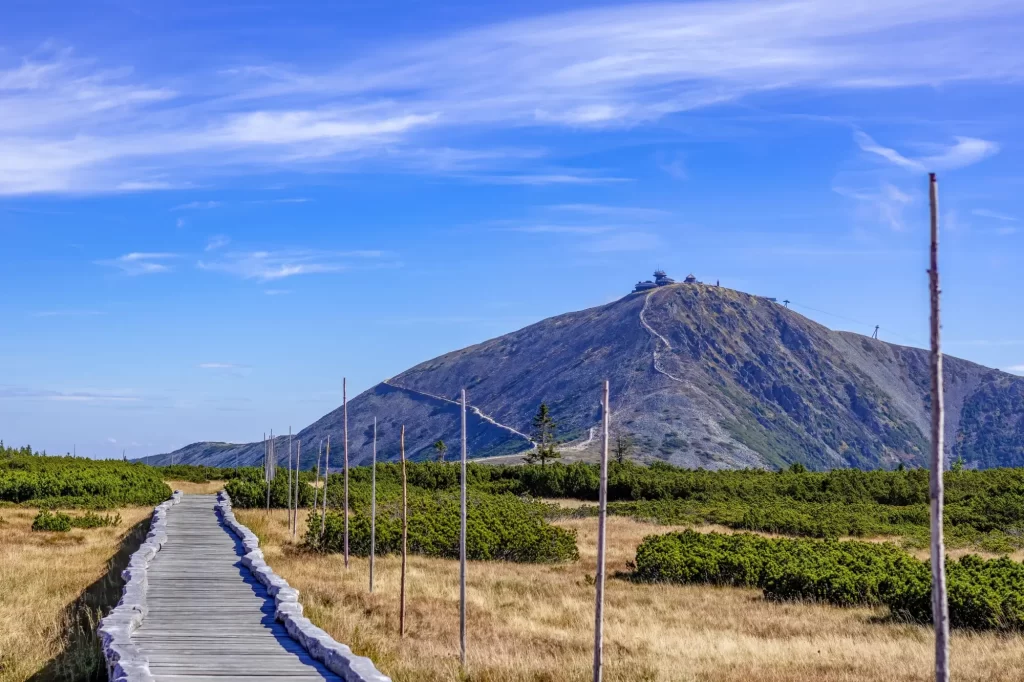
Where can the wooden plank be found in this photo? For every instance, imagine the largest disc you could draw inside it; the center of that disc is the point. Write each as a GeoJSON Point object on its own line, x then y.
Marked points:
{"type": "Point", "coordinates": [209, 619]}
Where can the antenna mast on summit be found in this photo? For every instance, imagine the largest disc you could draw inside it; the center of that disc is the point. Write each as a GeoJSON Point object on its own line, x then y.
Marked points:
{"type": "Point", "coordinates": [874, 334]}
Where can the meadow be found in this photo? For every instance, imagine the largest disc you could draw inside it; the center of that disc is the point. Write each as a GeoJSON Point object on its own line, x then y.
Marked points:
{"type": "Point", "coordinates": [790, 575]}
{"type": "Point", "coordinates": [533, 622]}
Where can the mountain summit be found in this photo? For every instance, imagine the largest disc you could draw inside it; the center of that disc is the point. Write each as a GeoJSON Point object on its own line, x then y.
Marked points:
{"type": "Point", "coordinates": [700, 375]}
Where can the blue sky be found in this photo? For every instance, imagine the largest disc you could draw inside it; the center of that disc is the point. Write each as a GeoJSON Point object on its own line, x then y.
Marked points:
{"type": "Point", "coordinates": [211, 212]}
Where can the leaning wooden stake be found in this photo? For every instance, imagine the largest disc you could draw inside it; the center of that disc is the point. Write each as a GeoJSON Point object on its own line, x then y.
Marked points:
{"type": "Point", "coordinates": [405, 540]}
{"type": "Point", "coordinates": [940, 607]}
{"type": "Point", "coordinates": [344, 404]}
{"type": "Point", "coordinates": [373, 505]}
{"type": "Point", "coordinates": [327, 474]}
{"type": "Point", "coordinates": [462, 543]}
{"type": "Point", "coordinates": [602, 522]}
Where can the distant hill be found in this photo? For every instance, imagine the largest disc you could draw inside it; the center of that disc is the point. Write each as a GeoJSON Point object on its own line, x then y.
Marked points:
{"type": "Point", "coordinates": [700, 376]}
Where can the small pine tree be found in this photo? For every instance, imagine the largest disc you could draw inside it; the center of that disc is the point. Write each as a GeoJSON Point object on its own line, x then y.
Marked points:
{"type": "Point", "coordinates": [544, 437]}
{"type": "Point", "coordinates": [441, 450]}
{"type": "Point", "coordinates": [623, 446]}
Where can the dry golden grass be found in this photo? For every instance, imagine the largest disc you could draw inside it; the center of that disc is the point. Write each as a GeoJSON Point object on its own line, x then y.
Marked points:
{"type": "Point", "coordinates": [535, 622]}
{"type": "Point", "coordinates": [190, 488]}
{"type": "Point", "coordinates": [40, 575]}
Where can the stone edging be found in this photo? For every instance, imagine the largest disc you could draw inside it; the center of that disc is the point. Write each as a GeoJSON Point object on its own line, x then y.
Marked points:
{"type": "Point", "coordinates": [337, 657]}
{"type": "Point", "coordinates": [125, 662]}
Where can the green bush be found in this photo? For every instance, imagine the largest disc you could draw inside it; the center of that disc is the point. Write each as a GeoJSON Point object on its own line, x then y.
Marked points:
{"type": "Point", "coordinates": [38, 480]}
{"type": "Point", "coordinates": [93, 520]}
{"type": "Point", "coordinates": [47, 520]}
{"type": "Point", "coordinates": [199, 473]}
{"type": "Point", "coordinates": [498, 527]}
{"type": "Point", "coordinates": [983, 595]}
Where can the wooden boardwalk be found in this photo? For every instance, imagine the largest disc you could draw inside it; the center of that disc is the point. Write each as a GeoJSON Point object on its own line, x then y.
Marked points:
{"type": "Point", "coordinates": [209, 619]}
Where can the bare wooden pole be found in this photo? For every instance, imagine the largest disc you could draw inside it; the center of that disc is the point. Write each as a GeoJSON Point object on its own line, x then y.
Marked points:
{"type": "Point", "coordinates": [289, 503]}
{"type": "Point", "coordinates": [266, 464]}
{"type": "Point", "coordinates": [295, 506]}
{"type": "Point", "coordinates": [602, 540]}
{"type": "Point", "coordinates": [344, 406]}
{"type": "Point", "coordinates": [405, 539]}
{"type": "Point", "coordinates": [940, 607]}
{"type": "Point", "coordinates": [462, 542]}
{"type": "Point", "coordinates": [316, 484]}
{"type": "Point", "coordinates": [373, 505]}
{"type": "Point", "coordinates": [327, 473]}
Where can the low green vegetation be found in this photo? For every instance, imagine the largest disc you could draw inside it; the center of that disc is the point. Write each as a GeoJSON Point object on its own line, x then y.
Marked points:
{"type": "Point", "coordinates": [984, 509]}
{"type": "Point", "coordinates": [46, 481]}
{"type": "Point", "coordinates": [983, 594]}
{"type": "Point", "coordinates": [198, 473]}
{"type": "Point", "coordinates": [55, 521]}
{"type": "Point", "coordinates": [498, 527]}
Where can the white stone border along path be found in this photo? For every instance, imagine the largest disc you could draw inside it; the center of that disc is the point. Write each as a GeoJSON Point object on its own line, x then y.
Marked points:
{"type": "Point", "coordinates": [335, 656]}
{"type": "Point", "coordinates": [125, 662]}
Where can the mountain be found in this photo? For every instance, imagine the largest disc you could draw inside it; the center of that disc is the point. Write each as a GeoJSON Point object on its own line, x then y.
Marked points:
{"type": "Point", "coordinates": [700, 376]}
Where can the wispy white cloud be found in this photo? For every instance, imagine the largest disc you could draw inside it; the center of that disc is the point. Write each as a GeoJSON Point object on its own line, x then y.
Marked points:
{"type": "Point", "coordinates": [965, 151]}
{"type": "Point", "coordinates": [290, 200]}
{"type": "Point", "coordinates": [631, 212]}
{"type": "Point", "coordinates": [196, 205]}
{"type": "Point", "coordinates": [277, 292]}
{"type": "Point", "coordinates": [624, 241]}
{"type": "Point", "coordinates": [71, 125]}
{"type": "Point", "coordinates": [140, 263]}
{"type": "Point", "coordinates": [559, 229]}
{"type": "Point", "coordinates": [68, 313]}
{"type": "Point", "coordinates": [884, 205]}
{"type": "Point", "coordinates": [75, 395]}
{"type": "Point", "coordinates": [274, 265]}
{"type": "Point", "coordinates": [548, 179]}
{"type": "Point", "coordinates": [226, 368]}
{"type": "Point", "coordinates": [1016, 369]}
{"type": "Point", "coordinates": [674, 165]}
{"type": "Point", "coordinates": [995, 215]}
{"type": "Point", "coordinates": [217, 241]}
{"type": "Point", "coordinates": [179, 223]}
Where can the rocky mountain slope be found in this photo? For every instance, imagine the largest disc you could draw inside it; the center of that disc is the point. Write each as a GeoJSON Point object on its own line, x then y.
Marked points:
{"type": "Point", "coordinates": [700, 376]}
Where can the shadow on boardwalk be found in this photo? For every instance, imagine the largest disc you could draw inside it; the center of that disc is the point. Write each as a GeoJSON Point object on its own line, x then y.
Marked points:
{"type": "Point", "coordinates": [81, 658]}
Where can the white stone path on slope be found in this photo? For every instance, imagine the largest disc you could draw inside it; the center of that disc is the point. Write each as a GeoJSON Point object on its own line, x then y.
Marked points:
{"type": "Point", "coordinates": [209, 619]}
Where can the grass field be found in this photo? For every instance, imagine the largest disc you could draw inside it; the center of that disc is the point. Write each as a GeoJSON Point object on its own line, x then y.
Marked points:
{"type": "Point", "coordinates": [50, 587]}
{"type": "Point", "coordinates": [190, 488]}
{"type": "Point", "coordinates": [530, 622]}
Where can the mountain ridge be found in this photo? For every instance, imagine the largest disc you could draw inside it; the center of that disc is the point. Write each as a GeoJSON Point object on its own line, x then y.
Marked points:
{"type": "Point", "coordinates": [701, 376]}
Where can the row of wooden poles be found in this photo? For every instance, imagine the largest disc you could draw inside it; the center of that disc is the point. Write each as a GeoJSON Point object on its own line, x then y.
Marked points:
{"type": "Point", "coordinates": [939, 601]}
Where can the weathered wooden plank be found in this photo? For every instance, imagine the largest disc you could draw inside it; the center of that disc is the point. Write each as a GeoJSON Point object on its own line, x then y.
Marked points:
{"type": "Point", "coordinates": [209, 619]}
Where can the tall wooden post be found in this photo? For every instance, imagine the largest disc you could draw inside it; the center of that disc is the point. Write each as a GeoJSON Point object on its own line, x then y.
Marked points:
{"type": "Point", "coordinates": [405, 540]}
{"type": "Point", "coordinates": [266, 462]}
{"type": "Point", "coordinates": [289, 502]}
{"type": "Point", "coordinates": [373, 505]}
{"type": "Point", "coordinates": [344, 404]}
{"type": "Point", "coordinates": [602, 541]}
{"type": "Point", "coordinates": [316, 484]}
{"type": "Point", "coordinates": [462, 542]}
{"type": "Point", "coordinates": [295, 515]}
{"type": "Point", "coordinates": [940, 607]}
{"type": "Point", "coordinates": [327, 474]}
